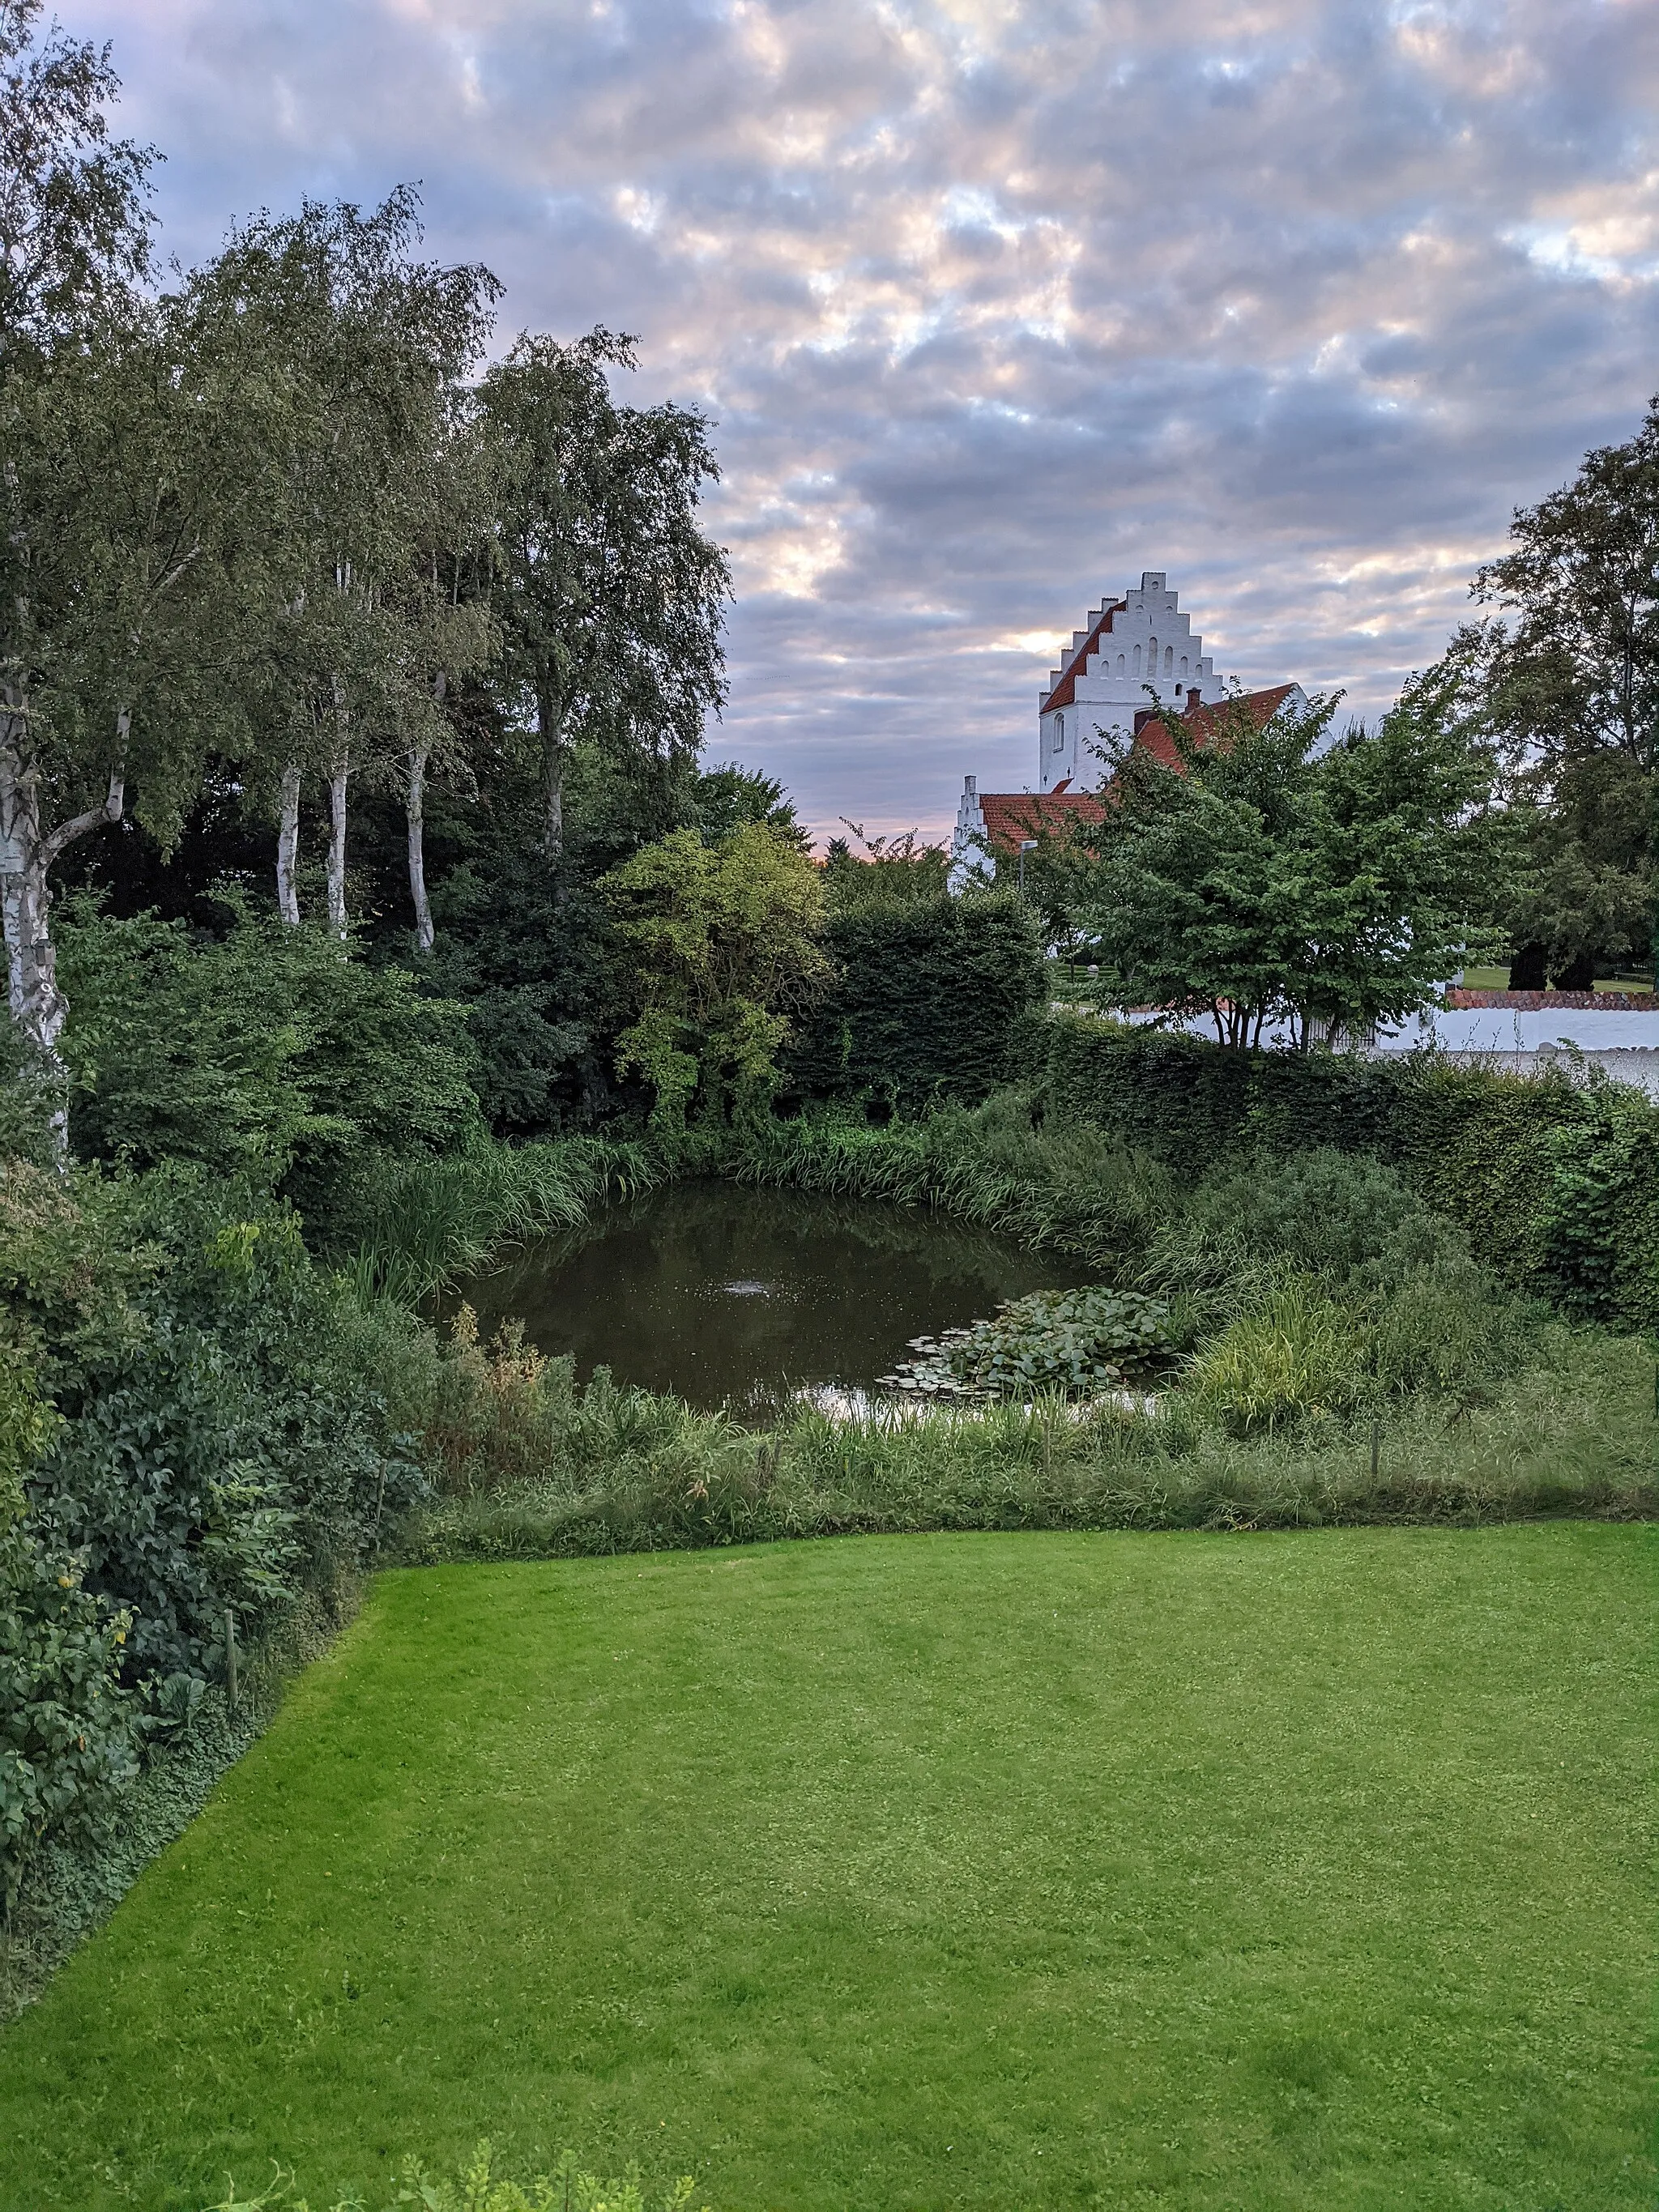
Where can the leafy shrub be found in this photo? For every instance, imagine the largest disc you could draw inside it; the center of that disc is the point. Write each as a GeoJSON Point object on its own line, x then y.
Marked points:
{"type": "Point", "coordinates": [1300, 1353]}
{"type": "Point", "coordinates": [1554, 1183]}
{"type": "Point", "coordinates": [28, 1097]}
{"type": "Point", "coordinates": [479, 2188]}
{"type": "Point", "coordinates": [925, 993]}
{"type": "Point", "coordinates": [1349, 1220]}
{"type": "Point", "coordinates": [67, 1731]}
{"type": "Point", "coordinates": [267, 1052]}
{"type": "Point", "coordinates": [215, 1444]}
{"type": "Point", "coordinates": [1441, 1326]}
{"type": "Point", "coordinates": [1076, 1342]}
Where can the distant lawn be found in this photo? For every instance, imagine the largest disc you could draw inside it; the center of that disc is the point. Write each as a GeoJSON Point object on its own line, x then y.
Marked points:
{"type": "Point", "coordinates": [1498, 979]}
{"type": "Point", "coordinates": [1301, 1873]}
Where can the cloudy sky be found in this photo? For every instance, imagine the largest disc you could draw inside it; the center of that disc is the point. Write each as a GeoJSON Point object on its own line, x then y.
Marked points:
{"type": "Point", "coordinates": [998, 302]}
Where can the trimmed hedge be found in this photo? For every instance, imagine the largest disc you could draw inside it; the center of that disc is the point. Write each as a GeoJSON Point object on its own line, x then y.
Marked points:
{"type": "Point", "coordinates": [1556, 1185]}
{"type": "Point", "coordinates": [924, 1003]}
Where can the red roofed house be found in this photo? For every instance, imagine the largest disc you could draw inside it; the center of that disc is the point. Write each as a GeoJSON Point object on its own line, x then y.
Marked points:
{"type": "Point", "coordinates": [1139, 642]}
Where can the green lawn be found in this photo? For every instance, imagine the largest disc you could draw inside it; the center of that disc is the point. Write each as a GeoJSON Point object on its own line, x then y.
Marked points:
{"type": "Point", "coordinates": [1306, 1872]}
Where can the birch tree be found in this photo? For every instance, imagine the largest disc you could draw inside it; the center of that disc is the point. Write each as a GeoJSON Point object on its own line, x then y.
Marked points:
{"type": "Point", "coordinates": [611, 598]}
{"type": "Point", "coordinates": [375, 347]}
{"type": "Point", "coordinates": [100, 535]}
{"type": "Point", "coordinates": [129, 582]}
{"type": "Point", "coordinates": [450, 631]}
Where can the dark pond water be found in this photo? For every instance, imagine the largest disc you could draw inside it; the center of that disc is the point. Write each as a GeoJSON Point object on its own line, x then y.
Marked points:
{"type": "Point", "coordinates": [725, 1294]}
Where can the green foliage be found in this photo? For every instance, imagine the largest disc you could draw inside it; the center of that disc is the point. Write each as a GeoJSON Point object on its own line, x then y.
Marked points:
{"type": "Point", "coordinates": [217, 1443]}
{"type": "Point", "coordinates": [1584, 898]}
{"type": "Point", "coordinates": [1554, 1184]}
{"type": "Point", "coordinates": [1261, 878]}
{"type": "Point", "coordinates": [725, 945]}
{"type": "Point", "coordinates": [267, 1052]}
{"type": "Point", "coordinates": [1562, 676]}
{"type": "Point", "coordinates": [726, 797]}
{"type": "Point", "coordinates": [414, 1226]}
{"type": "Point", "coordinates": [925, 990]}
{"type": "Point", "coordinates": [68, 1730]}
{"type": "Point", "coordinates": [1076, 1342]}
{"type": "Point", "coordinates": [1297, 1355]}
{"type": "Point", "coordinates": [892, 871]}
{"type": "Point", "coordinates": [479, 2187]}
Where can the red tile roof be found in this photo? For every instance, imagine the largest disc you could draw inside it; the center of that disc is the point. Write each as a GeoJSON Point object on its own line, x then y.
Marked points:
{"type": "Point", "coordinates": [1204, 722]}
{"type": "Point", "coordinates": [1066, 690]}
{"type": "Point", "coordinates": [1012, 816]}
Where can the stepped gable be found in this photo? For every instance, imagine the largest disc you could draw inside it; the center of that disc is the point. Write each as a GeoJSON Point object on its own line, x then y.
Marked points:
{"type": "Point", "coordinates": [1151, 733]}
{"type": "Point", "coordinates": [1063, 680]}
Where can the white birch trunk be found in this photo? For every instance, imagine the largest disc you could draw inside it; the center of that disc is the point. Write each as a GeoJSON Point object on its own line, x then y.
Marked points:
{"type": "Point", "coordinates": [37, 1006]}
{"type": "Point", "coordinates": [414, 812]}
{"type": "Point", "coordinates": [287, 845]}
{"type": "Point", "coordinates": [336, 846]}
{"type": "Point", "coordinates": [552, 780]}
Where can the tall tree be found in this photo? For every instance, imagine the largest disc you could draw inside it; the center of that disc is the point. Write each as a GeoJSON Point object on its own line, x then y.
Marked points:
{"type": "Point", "coordinates": [375, 348]}
{"type": "Point", "coordinates": [613, 598]}
{"type": "Point", "coordinates": [1263, 878]}
{"type": "Point", "coordinates": [74, 225]}
{"type": "Point", "coordinates": [1565, 672]}
{"type": "Point", "coordinates": [76, 351]}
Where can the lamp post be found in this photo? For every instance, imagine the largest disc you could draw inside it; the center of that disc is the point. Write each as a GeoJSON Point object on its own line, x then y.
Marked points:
{"type": "Point", "coordinates": [1026, 845]}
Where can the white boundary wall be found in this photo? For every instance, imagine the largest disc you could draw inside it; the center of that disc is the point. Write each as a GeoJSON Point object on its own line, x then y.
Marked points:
{"type": "Point", "coordinates": [1521, 1040]}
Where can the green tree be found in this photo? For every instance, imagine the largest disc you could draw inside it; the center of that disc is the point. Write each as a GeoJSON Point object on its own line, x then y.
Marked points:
{"type": "Point", "coordinates": [1265, 878]}
{"type": "Point", "coordinates": [725, 942]}
{"type": "Point", "coordinates": [74, 237]}
{"type": "Point", "coordinates": [1565, 672]}
{"type": "Point", "coordinates": [376, 508]}
{"type": "Point", "coordinates": [613, 598]}
{"type": "Point", "coordinates": [74, 228]}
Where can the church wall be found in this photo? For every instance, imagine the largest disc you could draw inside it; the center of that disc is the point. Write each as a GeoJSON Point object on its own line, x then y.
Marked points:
{"type": "Point", "coordinates": [1149, 628]}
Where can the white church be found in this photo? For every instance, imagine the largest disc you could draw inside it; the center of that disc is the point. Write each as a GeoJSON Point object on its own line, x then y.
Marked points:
{"type": "Point", "coordinates": [1140, 645]}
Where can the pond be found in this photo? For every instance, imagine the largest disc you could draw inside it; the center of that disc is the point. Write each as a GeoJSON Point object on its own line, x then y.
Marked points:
{"type": "Point", "coordinates": [723, 1294]}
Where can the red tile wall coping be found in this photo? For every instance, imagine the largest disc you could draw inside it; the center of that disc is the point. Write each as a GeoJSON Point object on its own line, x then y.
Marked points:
{"type": "Point", "coordinates": [1600, 1002]}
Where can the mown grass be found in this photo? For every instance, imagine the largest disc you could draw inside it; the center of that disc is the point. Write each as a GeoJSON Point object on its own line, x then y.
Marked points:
{"type": "Point", "coordinates": [1305, 1873]}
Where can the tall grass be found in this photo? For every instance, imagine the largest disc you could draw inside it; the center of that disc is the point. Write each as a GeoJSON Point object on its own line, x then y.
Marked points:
{"type": "Point", "coordinates": [1309, 1296]}
{"type": "Point", "coordinates": [419, 1223]}
{"type": "Point", "coordinates": [1073, 1189]}
{"type": "Point", "coordinates": [536, 1468]}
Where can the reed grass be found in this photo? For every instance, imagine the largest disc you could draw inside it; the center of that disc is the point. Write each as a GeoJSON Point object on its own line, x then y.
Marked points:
{"type": "Point", "coordinates": [1309, 1297]}
{"type": "Point", "coordinates": [608, 1469]}
{"type": "Point", "coordinates": [420, 1224]}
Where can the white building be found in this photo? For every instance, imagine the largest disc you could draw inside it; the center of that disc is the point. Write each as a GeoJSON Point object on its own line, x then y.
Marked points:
{"type": "Point", "coordinates": [1137, 655]}
{"type": "Point", "coordinates": [1139, 643]}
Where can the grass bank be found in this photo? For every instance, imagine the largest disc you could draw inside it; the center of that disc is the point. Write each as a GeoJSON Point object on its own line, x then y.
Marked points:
{"type": "Point", "coordinates": [1309, 1875]}
{"type": "Point", "coordinates": [539, 1470]}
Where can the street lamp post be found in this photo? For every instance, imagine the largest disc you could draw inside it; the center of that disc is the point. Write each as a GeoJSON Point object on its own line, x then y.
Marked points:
{"type": "Point", "coordinates": [1026, 845]}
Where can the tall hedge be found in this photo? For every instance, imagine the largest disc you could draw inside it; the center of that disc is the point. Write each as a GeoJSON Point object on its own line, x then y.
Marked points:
{"type": "Point", "coordinates": [925, 1000]}
{"type": "Point", "coordinates": [1557, 1184]}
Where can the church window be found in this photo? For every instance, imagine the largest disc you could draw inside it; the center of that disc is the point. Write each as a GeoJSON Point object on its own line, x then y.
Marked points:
{"type": "Point", "coordinates": [1137, 660]}
{"type": "Point", "coordinates": [1120, 663]}
{"type": "Point", "coordinates": [1183, 663]}
{"type": "Point", "coordinates": [1060, 732]}
{"type": "Point", "coordinates": [1169, 660]}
